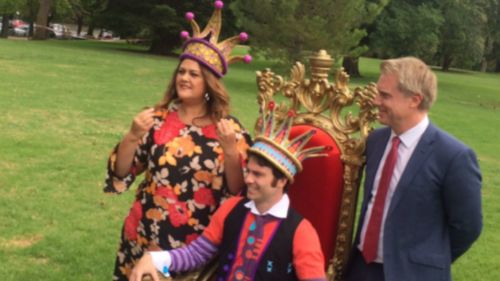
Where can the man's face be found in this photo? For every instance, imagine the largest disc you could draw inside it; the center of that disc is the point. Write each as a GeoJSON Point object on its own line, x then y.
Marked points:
{"type": "Point", "coordinates": [260, 180]}
{"type": "Point", "coordinates": [393, 105]}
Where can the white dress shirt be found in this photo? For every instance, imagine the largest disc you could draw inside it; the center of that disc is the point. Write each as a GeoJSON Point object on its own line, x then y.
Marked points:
{"type": "Point", "coordinates": [279, 210]}
{"type": "Point", "coordinates": [409, 141]}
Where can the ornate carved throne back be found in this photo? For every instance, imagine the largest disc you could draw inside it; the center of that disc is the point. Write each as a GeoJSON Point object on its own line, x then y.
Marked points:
{"type": "Point", "coordinates": [325, 192]}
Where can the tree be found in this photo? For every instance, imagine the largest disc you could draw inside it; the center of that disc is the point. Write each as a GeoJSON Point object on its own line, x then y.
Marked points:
{"type": "Point", "coordinates": [462, 34]}
{"type": "Point", "coordinates": [407, 28]}
{"type": "Point", "coordinates": [42, 20]}
{"type": "Point", "coordinates": [287, 29]}
{"type": "Point", "coordinates": [61, 10]}
{"type": "Point", "coordinates": [29, 10]}
{"type": "Point", "coordinates": [7, 9]}
{"type": "Point", "coordinates": [491, 56]}
{"type": "Point", "coordinates": [79, 10]}
{"type": "Point", "coordinates": [372, 10]}
{"type": "Point", "coordinates": [160, 21]}
{"type": "Point", "coordinates": [87, 11]}
{"type": "Point", "coordinates": [445, 32]}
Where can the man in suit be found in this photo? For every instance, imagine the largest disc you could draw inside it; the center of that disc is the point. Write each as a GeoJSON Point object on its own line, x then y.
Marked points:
{"type": "Point", "coordinates": [421, 207]}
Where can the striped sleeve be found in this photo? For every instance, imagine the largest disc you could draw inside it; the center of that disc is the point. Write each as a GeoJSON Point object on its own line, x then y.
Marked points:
{"type": "Point", "coordinates": [193, 256]}
{"type": "Point", "coordinates": [205, 247]}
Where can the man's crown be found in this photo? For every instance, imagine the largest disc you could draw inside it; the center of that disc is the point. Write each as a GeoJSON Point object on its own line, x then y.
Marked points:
{"type": "Point", "coordinates": [204, 47]}
{"type": "Point", "coordinates": [274, 144]}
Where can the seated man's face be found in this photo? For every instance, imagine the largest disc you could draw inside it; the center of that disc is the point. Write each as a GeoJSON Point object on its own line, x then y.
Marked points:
{"type": "Point", "coordinates": [259, 180]}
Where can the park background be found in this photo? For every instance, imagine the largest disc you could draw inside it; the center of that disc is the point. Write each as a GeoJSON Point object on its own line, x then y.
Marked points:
{"type": "Point", "coordinates": [65, 103]}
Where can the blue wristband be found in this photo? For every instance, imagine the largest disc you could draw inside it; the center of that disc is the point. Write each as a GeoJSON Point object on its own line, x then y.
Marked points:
{"type": "Point", "coordinates": [165, 271]}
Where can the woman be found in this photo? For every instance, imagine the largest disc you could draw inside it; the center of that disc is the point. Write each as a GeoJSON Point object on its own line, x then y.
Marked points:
{"type": "Point", "coordinates": [191, 152]}
{"type": "Point", "coordinates": [189, 148]}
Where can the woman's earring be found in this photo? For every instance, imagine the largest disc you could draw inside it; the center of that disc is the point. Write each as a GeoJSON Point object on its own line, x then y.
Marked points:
{"type": "Point", "coordinates": [207, 97]}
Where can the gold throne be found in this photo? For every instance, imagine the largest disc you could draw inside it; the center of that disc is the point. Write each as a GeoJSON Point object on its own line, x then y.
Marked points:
{"type": "Point", "coordinates": [326, 191]}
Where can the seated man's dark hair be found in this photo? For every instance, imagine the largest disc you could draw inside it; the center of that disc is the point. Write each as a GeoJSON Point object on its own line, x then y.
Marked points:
{"type": "Point", "coordinates": [264, 162]}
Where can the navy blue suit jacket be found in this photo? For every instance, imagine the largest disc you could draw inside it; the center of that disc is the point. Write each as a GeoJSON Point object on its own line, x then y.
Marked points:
{"type": "Point", "coordinates": [435, 213]}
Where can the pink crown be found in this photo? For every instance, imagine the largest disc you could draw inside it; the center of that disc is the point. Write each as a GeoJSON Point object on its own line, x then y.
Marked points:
{"type": "Point", "coordinates": [274, 144]}
{"type": "Point", "coordinates": [204, 46]}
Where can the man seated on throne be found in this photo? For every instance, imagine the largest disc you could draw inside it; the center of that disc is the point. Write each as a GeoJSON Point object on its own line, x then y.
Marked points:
{"type": "Point", "coordinates": [257, 237]}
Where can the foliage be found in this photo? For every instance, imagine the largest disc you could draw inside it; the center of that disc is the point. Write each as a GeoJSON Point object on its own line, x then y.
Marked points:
{"type": "Point", "coordinates": [160, 21]}
{"type": "Point", "coordinates": [492, 36]}
{"type": "Point", "coordinates": [462, 36]}
{"type": "Point", "coordinates": [285, 30]}
{"type": "Point", "coordinates": [450, 33]}
{"type": "Point", "coordinates": [404, 29]}
{"type": "Point", "coordinates": [9, 6]}
{"type": "Point", "coordinates": [86, 11]}
{"type": "Point", "coordinates": [61, 11]}
{"type": "Point", "coordinates": [28, 10]}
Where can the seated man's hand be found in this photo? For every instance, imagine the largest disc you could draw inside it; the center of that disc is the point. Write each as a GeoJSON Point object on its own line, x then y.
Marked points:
{"type": "Point", "coordinates": [145, 266]}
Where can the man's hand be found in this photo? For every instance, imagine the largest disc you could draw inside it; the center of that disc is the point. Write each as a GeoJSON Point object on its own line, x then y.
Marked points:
{"type": "Point", "coordinates": [145, 266]}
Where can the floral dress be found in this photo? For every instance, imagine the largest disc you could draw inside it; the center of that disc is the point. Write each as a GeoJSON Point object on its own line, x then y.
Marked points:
{"type": "Point", "coordinates": [183, 185]}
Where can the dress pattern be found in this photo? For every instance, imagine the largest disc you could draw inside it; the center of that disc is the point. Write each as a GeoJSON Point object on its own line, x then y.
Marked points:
{"type": "Point", "coordinates": [183, 185]}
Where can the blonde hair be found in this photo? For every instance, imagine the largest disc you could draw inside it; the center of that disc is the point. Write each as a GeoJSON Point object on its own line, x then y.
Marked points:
{"type": "Point", "coordinates": [217, 105]}
{"type": "Point", "coordinates": [414, 77]}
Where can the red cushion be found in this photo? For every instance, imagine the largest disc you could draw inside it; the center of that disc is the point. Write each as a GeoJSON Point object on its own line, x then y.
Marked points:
{"type": "Point", "coordinates": [317, 191]}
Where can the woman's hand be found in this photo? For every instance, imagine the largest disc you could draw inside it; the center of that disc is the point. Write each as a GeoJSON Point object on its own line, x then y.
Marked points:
{"type": "Point", "coordinates": [227, 136]}
{"type": "Point", "coordinates": [125, 154]}
{"type": "Point", "coordinates": [145, 266]}
{"type": "Point", "coordinates": [142, 123]}
{"type": "Point", "coordinates": [232, 162]}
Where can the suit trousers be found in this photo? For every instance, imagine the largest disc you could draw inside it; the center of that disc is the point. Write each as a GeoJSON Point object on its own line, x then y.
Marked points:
{"type": "Point", "coordinates": [359, 270]}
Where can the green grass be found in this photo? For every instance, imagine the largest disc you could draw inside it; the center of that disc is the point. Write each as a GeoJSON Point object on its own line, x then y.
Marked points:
{"type": "Point", "coordinates": [65, 104]}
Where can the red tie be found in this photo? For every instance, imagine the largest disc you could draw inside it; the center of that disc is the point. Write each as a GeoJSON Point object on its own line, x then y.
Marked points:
{"type": "Point", "coordinates": [372, 235]}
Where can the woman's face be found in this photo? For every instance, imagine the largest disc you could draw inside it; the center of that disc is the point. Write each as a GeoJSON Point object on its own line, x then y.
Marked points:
{"type": "Point", "coordinates": [189, 82]}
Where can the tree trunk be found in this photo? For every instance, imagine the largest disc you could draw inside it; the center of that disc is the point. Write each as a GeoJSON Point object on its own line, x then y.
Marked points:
{"type": "Point", "coordinates": [90, 30]}
{"type": "Point", "coordinates": [447, 59]}
{"type": "Point", "coordinates": [42, 20]}
{"type": "Point", "coordinates": [5, 26]}
{"type": "Point", "coordinates": [488, 45]}
{"type": "Point", "coordinates": [351, 66]}
{"type": "Point", "coordinates": [163, 45]}
{"type": "Point", "coordinates": [31, 29]}
{"type": "Point", "coordinates": [79, 23]}
{"type": "Point", "coordinates": [31, 10]}
{"type": "Point", "coordinates": [484, 65]}
{"type": "Point", "coordinates": [497, 68]}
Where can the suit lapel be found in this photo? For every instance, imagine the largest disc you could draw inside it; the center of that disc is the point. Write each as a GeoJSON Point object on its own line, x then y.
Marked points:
{"type": "Point", "coordinates": [378, 152]}
{"type": "Point", "coordinates": [420, 154]}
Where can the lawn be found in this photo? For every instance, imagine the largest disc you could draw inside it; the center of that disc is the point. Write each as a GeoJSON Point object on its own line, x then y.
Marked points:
{"type": "Point", "coordinates": [65, 104]}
